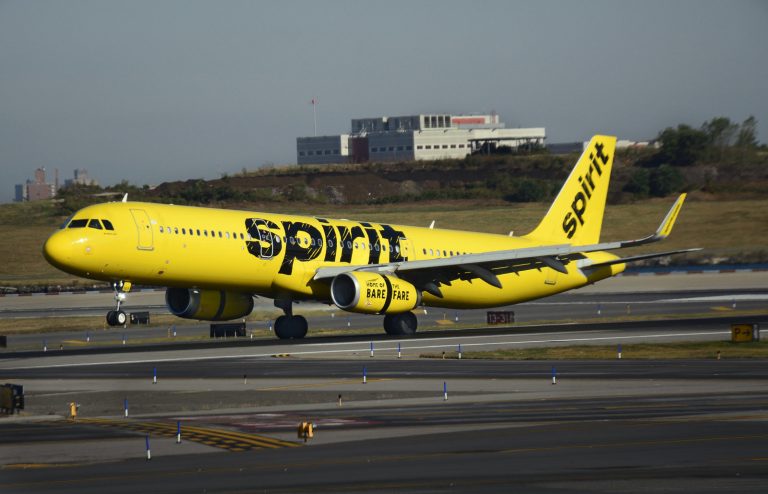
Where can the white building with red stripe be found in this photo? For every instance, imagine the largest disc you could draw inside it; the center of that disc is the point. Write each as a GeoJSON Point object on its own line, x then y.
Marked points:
{"type": "Point", "coordinates": [416, 137]}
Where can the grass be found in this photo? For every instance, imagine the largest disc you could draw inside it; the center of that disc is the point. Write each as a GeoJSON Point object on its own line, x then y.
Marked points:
{"type": "Point", "coordinates": [640, 351]}
{"type": "Point", "coordinates": [737, 230]}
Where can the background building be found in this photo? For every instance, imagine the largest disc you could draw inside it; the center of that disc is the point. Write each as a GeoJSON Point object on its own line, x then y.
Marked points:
{"type": "Point", "coordinates": [39, 189]}
{"type": "Point", "coordinates": [415, 137]}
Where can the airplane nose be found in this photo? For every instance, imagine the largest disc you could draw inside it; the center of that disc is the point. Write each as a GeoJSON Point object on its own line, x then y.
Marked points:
{"type": "Point", "coordinates": [57, 250]}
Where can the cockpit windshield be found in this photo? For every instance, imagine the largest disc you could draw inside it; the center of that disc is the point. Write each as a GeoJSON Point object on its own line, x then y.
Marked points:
{"type": "Point", "coordinates": [90, 223]}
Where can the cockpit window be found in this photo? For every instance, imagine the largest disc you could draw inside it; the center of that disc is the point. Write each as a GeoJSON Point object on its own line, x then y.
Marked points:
{"type": "Point", "coordinates": [78, 223]}
{"type": "Point", "coordinates": [94, 224]}
{"type": "Point", "coordinates": [108, 225]}
{"type": "Point", "coordinates": [66, 222]}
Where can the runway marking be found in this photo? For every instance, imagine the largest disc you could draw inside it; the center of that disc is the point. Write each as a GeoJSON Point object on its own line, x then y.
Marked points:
{"type": "Point", "coordinates": [229, 440]}
{"type": "Point", "coordinates": [365, 347]}
{"type": "Point", "coordinates": [323, 384]}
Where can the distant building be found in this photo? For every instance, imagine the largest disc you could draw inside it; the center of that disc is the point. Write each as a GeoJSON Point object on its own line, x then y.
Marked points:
{"type": "Point", "coordinates": [415, 137]}
{"type": "Point", "coordinates": [81, 178]}
{"type": "Point", "coordinates": [37, 189]}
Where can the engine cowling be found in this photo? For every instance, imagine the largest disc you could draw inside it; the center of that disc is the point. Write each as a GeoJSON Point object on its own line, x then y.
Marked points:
{"type": "Point", "coordinates": [373, 293]}
{"type": "Point", "coordinates": [208, 305]}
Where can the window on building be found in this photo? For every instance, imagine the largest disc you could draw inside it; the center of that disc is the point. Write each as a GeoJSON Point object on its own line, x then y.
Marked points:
{"type": "Point", "coordinates": [336, 151]}
{"type": "Point", "coordinates": [419, 147]}
{"type": "Point", "coordinates": [428, 146]}
{"type": "Point", "coordinates": [409, 148]}
{"type": "Point", "coordinates": [399, 148]}
{"type": "Point", "coordinates": [391, 148]}
{"type": "Point", "coordinates": [301, 153]}
{"type": "Point", "coordinates": [327, 151]}
{"type": "Point", "coordinates": [453, 146]}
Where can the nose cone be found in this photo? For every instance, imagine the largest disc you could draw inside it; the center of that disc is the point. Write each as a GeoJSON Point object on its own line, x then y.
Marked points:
{"type": "Point", "coordinates": [57, 250]}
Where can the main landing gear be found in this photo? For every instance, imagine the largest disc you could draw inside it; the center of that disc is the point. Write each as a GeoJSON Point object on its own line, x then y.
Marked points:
{"type": "Point", "coordinates": [118, 317]}
{"type": "Point", "coordinates": [403, 324]}
{"type": "Point", "coordinates": [289, 326]}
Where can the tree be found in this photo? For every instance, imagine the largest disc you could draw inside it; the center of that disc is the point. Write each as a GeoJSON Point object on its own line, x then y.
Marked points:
{"type": "Point", "coordinates": [721, 133]}
{"type": "Point", "coordinates": [747, 138]}
{"type": "Point", "coordinates": [682, 146]}
{"type": "Point", "coordinates": [665, 180]}
{"type": "Point", "coordinates": [639, 183]}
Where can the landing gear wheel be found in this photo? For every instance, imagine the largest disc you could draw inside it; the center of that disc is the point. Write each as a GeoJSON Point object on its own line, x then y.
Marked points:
{"type": "Point", "coordinates": [116, 318]}
{"type": "Point", "coordinates": [291, 327]}
{"type": "Point", "coordinates": [404, 324]}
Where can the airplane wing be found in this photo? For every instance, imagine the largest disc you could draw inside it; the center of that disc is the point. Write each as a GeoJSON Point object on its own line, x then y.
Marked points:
{"type": "Point", "coordinates": [429, 274]}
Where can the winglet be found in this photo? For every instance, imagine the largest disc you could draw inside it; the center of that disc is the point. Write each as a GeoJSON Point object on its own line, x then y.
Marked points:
{"type": "Point", "coordinates": [669, 220]}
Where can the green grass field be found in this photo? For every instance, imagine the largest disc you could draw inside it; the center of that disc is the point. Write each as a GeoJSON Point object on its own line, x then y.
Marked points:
{"type": "Point", "coordinates": [733, 230]}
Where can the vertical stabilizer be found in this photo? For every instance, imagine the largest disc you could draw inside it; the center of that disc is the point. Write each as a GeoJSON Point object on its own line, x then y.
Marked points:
{"type": "Point", "coordinates": [576, 216]}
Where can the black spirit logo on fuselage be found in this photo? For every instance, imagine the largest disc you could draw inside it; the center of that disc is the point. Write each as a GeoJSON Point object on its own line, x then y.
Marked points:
{"type": "Point", "coordinates": [575, 217]}
{"type": "Point", "coordinates": [269, 240]}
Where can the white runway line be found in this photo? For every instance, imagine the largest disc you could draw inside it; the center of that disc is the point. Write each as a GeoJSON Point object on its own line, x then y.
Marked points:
{"type": "Point", "coordinates": [365, 347]}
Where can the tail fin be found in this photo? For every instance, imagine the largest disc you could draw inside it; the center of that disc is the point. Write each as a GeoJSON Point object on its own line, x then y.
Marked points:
{"type": "Point", "coordinates": [576, 216]}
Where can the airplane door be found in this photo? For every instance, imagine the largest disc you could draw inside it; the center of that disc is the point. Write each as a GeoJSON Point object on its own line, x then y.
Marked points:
{"type": "Point", "coordinates": [144, 229]}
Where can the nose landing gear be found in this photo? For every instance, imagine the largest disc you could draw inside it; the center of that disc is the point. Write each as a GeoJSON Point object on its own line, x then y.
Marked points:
{"type": "Point", "coordinates": [118, 317]}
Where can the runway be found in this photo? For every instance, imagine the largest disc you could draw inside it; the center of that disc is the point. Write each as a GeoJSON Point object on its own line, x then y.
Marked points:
{"type": "Point", "coordinates": [416, 424]}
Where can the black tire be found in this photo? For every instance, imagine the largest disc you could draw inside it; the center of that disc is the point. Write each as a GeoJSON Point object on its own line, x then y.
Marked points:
{"type": "Point", "coordinates": [290, 328]}
{"type": "Point", "coordinates": [111, 318]}
{"type": "Point", "coordinates": [404, 324]}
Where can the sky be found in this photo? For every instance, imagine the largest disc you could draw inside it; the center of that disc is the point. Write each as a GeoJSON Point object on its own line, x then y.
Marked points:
{"type": "Point", "coordinates": [157, 90]}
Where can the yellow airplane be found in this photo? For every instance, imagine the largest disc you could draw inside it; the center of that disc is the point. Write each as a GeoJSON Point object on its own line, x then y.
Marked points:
{"type": "Point", "coordinates": [213, 262]}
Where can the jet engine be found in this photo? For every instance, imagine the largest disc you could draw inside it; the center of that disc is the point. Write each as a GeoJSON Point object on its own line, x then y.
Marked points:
{"type": "Point", "coordinates": [373, 293]}
{"type": "Point", "coordinates": [208, 305]}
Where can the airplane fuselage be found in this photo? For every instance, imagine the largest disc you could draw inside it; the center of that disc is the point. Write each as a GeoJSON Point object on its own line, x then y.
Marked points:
{"type": "Point", "coordinates": [277, 256]}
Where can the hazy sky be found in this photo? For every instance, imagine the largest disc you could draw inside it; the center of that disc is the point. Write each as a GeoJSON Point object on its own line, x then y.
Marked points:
{"type": "Point", "coordinates": [154, 90]}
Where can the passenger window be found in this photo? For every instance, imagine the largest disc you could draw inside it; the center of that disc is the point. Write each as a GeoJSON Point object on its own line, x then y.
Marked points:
{"type": "Point", "coordinates": [227, 235]}
{"type": "Point", "coordinates": [376, 247]}
{"type": "Point", "coordinates": [384, 248]}
{"type": "Point", "coordinates": [242, 238]}
{"type": "Point", "coordinates": [176, 230]}
{"type": "Point", "coordinates": [161, 228]}
{"type": "Point", "coordinates": [220, 236]}
{"type": "Point", "coordinates": [444, 254]}
{"type": "Point", "coordinates": [425, 251]}
{"type": "Point", "coordinates": [198, 233]}
{"type": "Point", "coordinates": [78, 223]}
{"type": "Point", "coordinates": [431, 252]}
{"type": "Point", "coordinates": [94, 224]}
{"type": "Point", "coordinates": [205, 233]}
{"type": "Point", "coordinates": [349, 244]}
{"type": "Point", "coordinates": [183, 231]}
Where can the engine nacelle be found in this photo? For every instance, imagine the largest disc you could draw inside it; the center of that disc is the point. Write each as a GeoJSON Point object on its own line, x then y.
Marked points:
{"type": "Point", "coordinates": [373, 293]}
{"type": "Point", "coordinates": [208, 305]}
